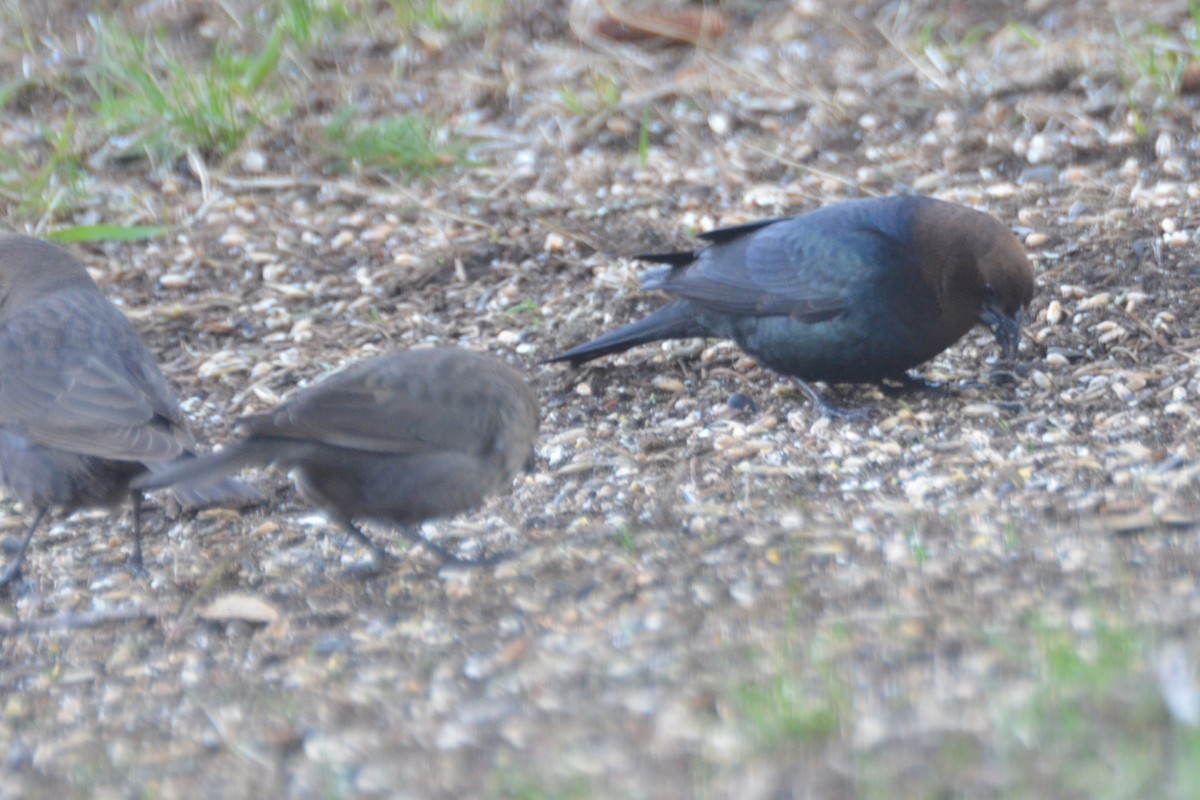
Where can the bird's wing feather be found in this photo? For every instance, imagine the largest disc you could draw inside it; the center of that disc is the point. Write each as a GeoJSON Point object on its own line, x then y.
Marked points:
{"type": "Point", "coordinates": [801, 267]}
{"type": "Point", "coordinates": [722, 235]}
{"type": "Point", "coordinates": [83, 408]}
{"type": "Point", "coordinates": [372, 414]}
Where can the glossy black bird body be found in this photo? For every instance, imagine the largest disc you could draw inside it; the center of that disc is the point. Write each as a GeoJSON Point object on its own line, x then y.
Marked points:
{"type": "Point", "coordinates": [854, 292]}
{"type": "Point", "coordinates": [83, 407]}
{"type": "Point", "coordinates": [400, 438]}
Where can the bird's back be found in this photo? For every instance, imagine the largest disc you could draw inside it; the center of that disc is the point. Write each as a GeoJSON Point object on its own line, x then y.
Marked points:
{"type": "Point", "coordinates": [835, 294]}
{"type": "Point", "coordinates": [84, 408]}
{"type": "Point", "coordinates": [406, 436]}
{"type": "Point", "coordinates": [74, 374]}
{"type": "Point", "coordinates": [82, 404]}
{"type": "Point", "coordinates": [412, 403]}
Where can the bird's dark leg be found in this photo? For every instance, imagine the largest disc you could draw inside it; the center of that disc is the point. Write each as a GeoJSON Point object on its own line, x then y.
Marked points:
{"type": "Point", "coordinates": [1008, 374]}
{"type": "Point", "coordinates": [14, 567]}
{"type": "Point", "coordinates": [917, 383]}
{"type": "Point", "coordinates": [136, 564]}
{"type": "Point", "coordinates": [828, 409]}
{"type": "Point", "coordinates": [378, 554]}
{"type": "Point", "coordinates": [381, 556]}
{"type": "Point", "coordinates": [446, 556]}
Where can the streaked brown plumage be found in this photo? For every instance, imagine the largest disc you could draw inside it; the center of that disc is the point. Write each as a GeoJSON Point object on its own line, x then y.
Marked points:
{"type": "Point", "coordinates": [400, 438]}
{"type": "Point", "coordinates": [83, 407]}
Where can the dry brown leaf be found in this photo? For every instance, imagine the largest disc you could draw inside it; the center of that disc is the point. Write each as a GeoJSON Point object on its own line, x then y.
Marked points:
{"type": "Point", "coordinates": [687, 25]}
{"type": "Point", "coordinates": [1189, 83]}
{"type": "Point", "coordinates": [237, 606]}
{"type": "Point", "coordinates": [1128, 521]}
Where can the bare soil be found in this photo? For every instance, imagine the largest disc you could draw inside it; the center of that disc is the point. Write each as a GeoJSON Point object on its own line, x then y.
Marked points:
{"type": "Point", "coordinates": [695, 535]}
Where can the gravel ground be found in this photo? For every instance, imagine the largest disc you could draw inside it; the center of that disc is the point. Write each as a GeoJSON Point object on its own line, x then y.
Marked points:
{"type": "Point", "coordinates": [716, 592]}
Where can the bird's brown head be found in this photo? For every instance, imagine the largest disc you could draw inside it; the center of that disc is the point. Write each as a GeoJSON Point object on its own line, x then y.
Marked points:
{"type": "Point", "coordinates": [30, 267]}
{"type": "Point", "coordinates": [978, 268]}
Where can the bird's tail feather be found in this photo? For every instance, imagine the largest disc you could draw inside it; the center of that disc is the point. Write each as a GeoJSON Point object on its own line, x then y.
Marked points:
{"type": "Point", "coordinates": [201, 480]}
{"type": "Point", "coordinates": [675, 320]}
{"type": "Point", "coordinates": [219, 492]}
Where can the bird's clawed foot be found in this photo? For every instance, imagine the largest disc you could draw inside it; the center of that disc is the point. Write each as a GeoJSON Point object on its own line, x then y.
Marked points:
{"type": "Point", "coordinates": [11, 573]}
{"type": "Point", "coordinates": [136, 566]}
{"type": "Point", "coordinates": [381, 558]}
{"type": "Point", "coordinates": [449, 558]}
{"type": "Point", "coordinates": [1008, 373]}
{"type": "Point", "coordinates": [830, 410]}
{"type": "Point", "coordinates": [908, 383]}
{"type": "Point", "coordinates": [840, 412]}
{"type": "Point", "coordinates": [374, 566]}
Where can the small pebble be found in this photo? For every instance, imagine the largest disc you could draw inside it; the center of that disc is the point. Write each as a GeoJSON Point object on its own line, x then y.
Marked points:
{"type": "Point", "coordinates": [1164, 145]}
{"type": "Point", "coordinates": [378, 233]}
{"type": "Point", "coordinates": [1054, 312]}
{"type": "Point", "coordinates": [666, 383]}
{"type": "Point", "coordinates": [1039, 149]}
{"type": "Point", "coordinates": [233, 238]}
{"type": "Point", "coordinates": [738, 401]}
{"type": "Point", "coordinates": [1095, 301]}
{"type": "Point", "coordinates": [254, 162]}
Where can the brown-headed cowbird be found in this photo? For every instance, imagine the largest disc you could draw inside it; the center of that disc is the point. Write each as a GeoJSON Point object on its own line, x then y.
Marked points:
{"type": "Point", "coordinates": [83, 407]}
{"type": "Point", "coordinates": [855, 292]}
{"type": "Point", "coordinates": [400, 438]}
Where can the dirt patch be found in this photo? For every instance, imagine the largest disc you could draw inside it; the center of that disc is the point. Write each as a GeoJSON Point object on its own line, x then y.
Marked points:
{"type": "Point", "coordinates": [717, 592]}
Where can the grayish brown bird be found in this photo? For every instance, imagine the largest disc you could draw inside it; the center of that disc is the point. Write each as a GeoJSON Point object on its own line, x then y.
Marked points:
{"type": "Point", "coordinates": [400, 439]}
{"type": "Point", "coordinates": [856, 292]}
{"type": "Point", "coordinates": [83, 407]}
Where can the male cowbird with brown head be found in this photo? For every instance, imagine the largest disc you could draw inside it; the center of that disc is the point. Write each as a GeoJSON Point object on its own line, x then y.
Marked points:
{"type": "Point", "coordinates": [83, 407]}
{"type": "Point", "coordinates": [400, 439]}
{"type": "Point", "coordinates": [855, 292]}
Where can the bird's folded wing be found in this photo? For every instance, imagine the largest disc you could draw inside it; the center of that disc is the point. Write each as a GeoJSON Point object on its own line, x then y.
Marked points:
{"type": "Point", "coordinates": [84, 408]}
{"type": "Point", "coordinates": [756, 277]}
{"type": "Point", "coordinates": [376, 419]}
{"type": "Point", "coordinates": [788, 268]}
{"type": "Point", "coordinates": [748, 301]}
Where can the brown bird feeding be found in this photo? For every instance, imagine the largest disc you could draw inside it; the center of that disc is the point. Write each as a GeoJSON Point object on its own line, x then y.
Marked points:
{"type": "Point", "coordinates": [400, 438]}
{"type": "Point", "coordinates": [83, 407]}
{"type": "Point", "coordinates": [856, 292]}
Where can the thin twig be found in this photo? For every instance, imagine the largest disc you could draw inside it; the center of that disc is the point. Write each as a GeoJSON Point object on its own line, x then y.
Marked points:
{"type": "Point", "coordinates": [1162, 343]}
{"type": "Point", "coordinates": [820, 173]}
{"type": "Point", "coordinates": [210, 585]}
{"type": "Point", "coordinates": [441, 212]}
{"type": "Point", "coordinates": [940, 82]}
{"type": "Point", "coordinates": [73, 621]}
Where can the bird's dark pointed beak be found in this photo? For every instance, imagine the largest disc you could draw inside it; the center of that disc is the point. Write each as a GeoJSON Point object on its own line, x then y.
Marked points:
{"type": "Point", "coordinates": [1006, 329]}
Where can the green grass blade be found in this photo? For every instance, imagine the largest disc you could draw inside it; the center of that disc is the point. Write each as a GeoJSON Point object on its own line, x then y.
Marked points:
{"type": "Point", "coordinates": [106, 233]}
